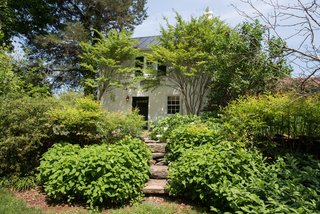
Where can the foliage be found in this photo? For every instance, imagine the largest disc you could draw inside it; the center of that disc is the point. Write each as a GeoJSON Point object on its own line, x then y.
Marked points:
{"type": "Point", "coordinates": [256, 119]}
{"type": "Point", "coordinates": [9, 82]}
{"type": "Point", "coordinates": [41, 17]}
{"type": "Point", "coordinates": [53, 29]}
{"type": "Point", "coordinates": [76, 119]}
{"type": "Point", "coordinates": [281, 18]}
{"type": "Point", "coordinates": [188, 49]}
{"type": "Point", "coordinates": [117, 125]}
{"type": "Point", "coordinates": [108, 59]}
{"type": "Point", "coordinates": [164, 126]}
{"type": "Point", "coordinates": [98, 175]}
{"type": "Point", "coordinates": [24, 135]}
{"type": "Point", "coordinates": [191, 135]}
{"type": "Point", "coordinates": [34, 77]}
{"type": "Point", "coordinates": [10, 205]}
{"type": "Point", "coordinates": [228, 178]}
{"type": "Point", "coordinates": [19, 183]}
{"type": "Point", "coordinates": [82, 120]}
{"type": "Point", "coordinates": [247, 66]}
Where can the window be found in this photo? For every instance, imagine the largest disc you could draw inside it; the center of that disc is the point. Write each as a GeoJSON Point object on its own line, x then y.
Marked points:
{"type": "Point", "coordinates": [173, 104]}
{"type": "Point", "coordinates": [162, 69]}
{"type": "Point", "coordinates": [139, 65]}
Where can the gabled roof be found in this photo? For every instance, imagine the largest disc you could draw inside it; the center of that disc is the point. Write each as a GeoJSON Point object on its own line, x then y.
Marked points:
{"type": "Point", "coordinates": [144, 42]}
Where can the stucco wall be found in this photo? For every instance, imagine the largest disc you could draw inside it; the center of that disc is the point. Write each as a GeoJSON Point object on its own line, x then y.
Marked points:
{"type": "Point", "coordinates": [115, 100]}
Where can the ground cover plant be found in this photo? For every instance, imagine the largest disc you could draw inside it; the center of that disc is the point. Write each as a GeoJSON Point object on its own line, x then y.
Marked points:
{"type": "Point", "coordinates": [107, 174]}
{"type": "Point", "coordinates": [229, 178]}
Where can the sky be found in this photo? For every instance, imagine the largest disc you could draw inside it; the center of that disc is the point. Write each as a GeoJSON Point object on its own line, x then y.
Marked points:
{"type": "Point", "coordinates": [157, 9]}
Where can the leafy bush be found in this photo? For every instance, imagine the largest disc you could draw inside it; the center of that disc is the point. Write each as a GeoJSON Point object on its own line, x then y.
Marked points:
{"type": "Point", "coordinates": [24, 136]}
{"type": "Point", "coordinates": [261, 119]}
{"type": "Point", "coordinates": [117, 125]}
{"type": "Point", "coordinates": [162, 128]}
{"type": "Point", "coordinates": [229, 178]}
{"type": "Point", "coordinates": [191, 135]}
{"type": "Point", "coordinates": [98, 174]}
{"type": "Point", "coordinates": [82, 120]}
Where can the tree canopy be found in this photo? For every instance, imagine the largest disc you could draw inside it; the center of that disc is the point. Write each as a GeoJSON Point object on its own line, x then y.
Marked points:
{"type": "Point", "coordinates": [188, 50]}
{"type": "Point", "coordinates": [206, 56]}
{"type": "Point", "coordinates": [109, 59]}
{"type": "Point", "coordinates": [297, 23]}
{"type": "Point", "coordinates": [52, 30]}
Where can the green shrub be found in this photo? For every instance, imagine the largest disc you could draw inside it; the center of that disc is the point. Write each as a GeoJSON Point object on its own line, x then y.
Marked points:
{"type": "Point", "coordinates": [163, 128]}
{"type": "Point", "coordinates": [260, 119]}
{"type": "Point", "coordinates": [24, 136]}
{"type": "Point", "coordinates": [117, 125]}
{"type": "Point", "coordinates": [82, 120]}
{"type": "Point", "coordinates": [191, 135]}
{"type": "Point", "coordinates": [98, 174]}
{"type": "Point", "coordinates": [229, 178]}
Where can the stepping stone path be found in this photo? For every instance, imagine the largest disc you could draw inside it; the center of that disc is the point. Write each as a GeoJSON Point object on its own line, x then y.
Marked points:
{"type": "Point", "coordinates": [159, 169]}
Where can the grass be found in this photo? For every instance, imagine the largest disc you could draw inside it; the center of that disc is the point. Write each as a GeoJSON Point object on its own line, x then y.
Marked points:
{"type": "Point", "coordinates": [11, 205]}
{"type": "Point", "coordinates": [154, 208]}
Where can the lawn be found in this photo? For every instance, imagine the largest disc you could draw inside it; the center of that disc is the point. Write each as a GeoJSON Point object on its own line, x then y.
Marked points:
{"type": "Point", "coordinates": [10, 204]}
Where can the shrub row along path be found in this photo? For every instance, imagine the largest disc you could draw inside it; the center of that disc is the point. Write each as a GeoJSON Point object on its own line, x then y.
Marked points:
{"type": "Point", "coordinates": [159, 169]}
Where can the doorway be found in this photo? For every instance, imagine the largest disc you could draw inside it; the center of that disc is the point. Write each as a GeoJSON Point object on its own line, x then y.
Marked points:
{"type": "Point", "coordinates": [142, 104]}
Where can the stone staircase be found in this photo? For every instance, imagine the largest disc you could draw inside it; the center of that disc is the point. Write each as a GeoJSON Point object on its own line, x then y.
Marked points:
{"type": "Point", "coordinates": [159, 169]}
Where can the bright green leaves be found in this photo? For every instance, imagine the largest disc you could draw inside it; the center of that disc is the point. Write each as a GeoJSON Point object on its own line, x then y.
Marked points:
{"type": "Point", "coordinates": [188, 49]}
{"type": "Point", "coordinates": [260, 120]}
{"type": "Point", "coordinates": [191, 135]}
{"type": "Point", "coordinates": [109, 57]}
{"type": "Point", "coordinates": [99, 174]}
{"type": "Point", "coordinates": [9, 82]}
{"type": "Point", "coordinates": [229, 178]}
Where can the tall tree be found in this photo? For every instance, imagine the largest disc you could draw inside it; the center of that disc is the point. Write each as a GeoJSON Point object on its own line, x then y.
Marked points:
{"type": "Point", "coordinates": [248, 65]}
{"type": "Point", "coordinates": [53, 30]}
{"type": "Point", "coordinates": [109, 59]}
{"type": "Point", "coordinates": [297, 23]}
{"type": "Point", "coordinates": [206, 57]}
{"type": "Point", "coordinates": [188, 49]}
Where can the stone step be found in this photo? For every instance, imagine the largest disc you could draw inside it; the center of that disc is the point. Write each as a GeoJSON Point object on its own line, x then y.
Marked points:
{"type": "Point", "coordinates": [159, 161]}
{"type": "Point", "coordinates": [155, 186]}
{"type": "Point", "coordinates": [159, 172]}
{"type": "Point", "coordinates": [158, 155]}
{"type": "Point", "coordinates": [157, 147]}
{"type": "Point", "coordinates": [151, 141]}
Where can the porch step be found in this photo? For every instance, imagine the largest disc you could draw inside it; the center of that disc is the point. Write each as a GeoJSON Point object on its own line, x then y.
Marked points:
{"type": "Point", "coordinates": [155, 186]}
{"type": "Point", "coordinates": [159, 172]}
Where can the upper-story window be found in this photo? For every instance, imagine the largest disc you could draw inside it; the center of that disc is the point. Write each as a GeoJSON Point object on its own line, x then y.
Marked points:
{"type": "Point", "coordinates": [161, 69]}
{"type": "Point", "coordinates": [139, 64]}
